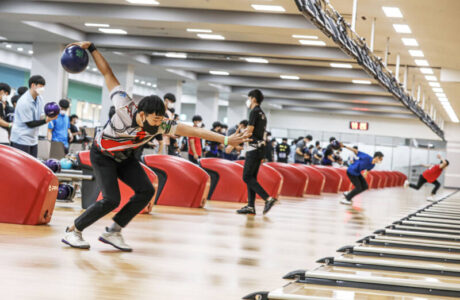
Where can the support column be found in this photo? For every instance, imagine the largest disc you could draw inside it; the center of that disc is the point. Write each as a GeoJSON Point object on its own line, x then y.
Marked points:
{"type": "Point", "coordinates": [171, 86]}
{"type": "Point", "coordinates": [353, 16]}
{"type": "Point", "coordinates": [372, 35]}
{"type": "Point", "coordinates": [397, 67]}
{"type": "Point", "coordinates": [46, 62]}
{"type": "Point", "coordinates": [207, 106]}
{"type": "Point", "coordinates": [125, 75]}
{"type": "Point", "coordinates": [236, 111]}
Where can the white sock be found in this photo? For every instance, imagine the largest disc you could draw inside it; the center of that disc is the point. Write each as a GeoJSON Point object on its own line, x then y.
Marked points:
{"type": "Point", "coordinates": [115, 227]}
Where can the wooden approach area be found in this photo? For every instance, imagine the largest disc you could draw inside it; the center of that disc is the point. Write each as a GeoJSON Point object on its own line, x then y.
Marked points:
{"type": "Point", "coordinates": [183, 253]}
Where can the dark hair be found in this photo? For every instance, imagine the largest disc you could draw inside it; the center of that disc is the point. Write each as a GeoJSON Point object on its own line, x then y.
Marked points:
{"type": "Point", "coordinates": [172, 110]}
{"type": "Point", "coordinates": [22, 90]}
{"type": "Point", "coordinates": [64, 103]}
{"type": "Point", "coordinates": [5, 87]}
{"type": "Point", "coordinates": [197, 118]}
{"type": "Point", "coordinates": [37, 79]}
{"type": "Point", "coordinates": [170, 97]}
{"type": "Point", "coordinates": [309, 137]}
{"type": "Point", "coordinates": [317, 143]}
{"type": "Point", "coordinates": [447, 162]}
{"type": "Point", "coordinates": [176, 116]}
{"type": "Point", "coordinates": [15, 99]}
{"type": "Point", "coordinates": [245, 123]}
{"type": "Point", "coordinates": [112, 111]}
{"type": "Point", "coordinates": [355, 147]}
{"type": "Point", "coordinates": [152, 105]}
{"type": "Point", "coordinates": [331, 139]}
{"type": "Point", "coordinates": [74, 117]}
{"type": "Point", "coordinates": [378, 154]}
{"type": "Point", "coordinates": [256, 94]}
{"type": "Point", "coordinates": [224, 126]}
{"type": "Point", "coordinates": [216, 124]}
{"type": "Point", "coordinates": [311, 147]}
{"type": "Point", "coordinates": [284, 139]}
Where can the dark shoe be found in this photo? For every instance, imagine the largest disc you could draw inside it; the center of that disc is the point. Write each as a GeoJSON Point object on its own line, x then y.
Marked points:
{"type": "Point", "coordinates": [269, 204]}
{"type": "Point", "coordinates": [247, 210]}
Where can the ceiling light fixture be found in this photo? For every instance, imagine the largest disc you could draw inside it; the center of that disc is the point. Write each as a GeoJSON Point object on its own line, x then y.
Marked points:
{"type": "Point", "coordinates": [312, 43]}
{"type": "Point", "coordinates": [341, 66]}
{"type": "Point", "coordinates": [147, 2]}
{"type": "Point", "coordinates": [220, 73]}
{"type": "Point", "coordinates": [402, 28]}
{"type": "Point", "coordinates": [431, 78]}
{"type": "Point", "coordinates": [426, 70]}
{"type": "Point", "coordinates": [434, 84]}
{"type": "Point", "coordinates": [8, 46]}
{"type": "Point", "coordinates": [20, 49]}
{"type": "Point", "coordinates": [96, 25]}
{"type": "Point", "coordinates": [361, 82]}
{"type": "Point", "coordinates": [438, 90]}
{"type": "Point", "coordinates": [290, 77]}
{"type": "Point", "coordinates": [136, 80]}
{"type": "Point", "coordinates": [422, 63]}
{"type": "Point", "coordinates": [274, 8]}
{"type": "Point", "coordinates": [392, 12]}
{"type": "Point", "coordinates": [308, 37]}
{"type": "Point", "coordinates": [257, 60]}
{"type": "Point", "coordinates": [176, 55]}
{"type": "Point", "coordinates": [210, 36]}
{"type": "Point", "coordinates": [409, 42]}
{"type": "Point", "coordinates": [31, 52]}
{"type": "Point", "coordinates": [113, 31]}
{"type": "Point", "coordinates": [199, 30]}
{"type": "Point", "coordinates": [441, 95]}
{"type": "Point", "coordinates": [416, 53]}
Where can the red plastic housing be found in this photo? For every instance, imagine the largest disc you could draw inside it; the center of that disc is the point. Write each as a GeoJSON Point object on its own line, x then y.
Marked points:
{"type": "Point", "coordinates": [28, 191]}
{"type": "Point", "coordinates": [295, 182]}
{"type": "Point", "coordinates": [270, 179]}
{"type": "Point", "coordinates": [333, 179]}
{"type": "Point", "coordinates": [316, 179]}
{"type": "Point", "coordinates": [346, 184]}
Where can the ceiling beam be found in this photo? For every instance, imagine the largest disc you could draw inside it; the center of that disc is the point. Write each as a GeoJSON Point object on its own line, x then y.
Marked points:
{"type": "Point", "coordinates": [345, 112]}
{"type": "Point", "coordinates": [243, 66]}
{"type": "Point", "coordinates": [66, 11]}
{"type": "Point", "coordinates": [266, 82]}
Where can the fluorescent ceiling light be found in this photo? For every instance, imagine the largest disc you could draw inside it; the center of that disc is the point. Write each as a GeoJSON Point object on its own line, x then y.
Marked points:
{"type": "Point", "coordinates": [416, 53]}
{"type": "Point", "coordinates": [20, 49]}
{"type": "Point", "coordinates": [151, 2]}
{"type": "Point", "coordinates": [402, 28]}
{"type": "Point", "coordinates": [438, 90]}
{"type": "Point", "coordinates": [149, 84]}
{"type": "Point", "coordinates": [434, 84]}
{"type": "Point", "coordinates": [210, 36]}
{"type": "Point", "coordinates": [96, 25]}
{"type": "Point", "coordinates": [312, 43]}
{"type": "Point", "coordinates": [199, 30]}
{"type": "Point", "coordinates": [291, 77]}
{"type": "Point", "coordinates": [308, 37]}
{"type": "Point", "coordinates": [392, 12]}
{"type": "Point", "coordinates": [276, 8]}
{"type": "Point", "coordinates": [31, 52]}
{"type": "Point", "coordinates": [443, 100]}
{"type": "Point", "coordinates": [341, 66]}
{"type": "Point", "coordinates": [431, 78]}
{"type": "Point", "coordinates": [221, 73]}
{"type": "Point", "coordinates": [2, 38]}
{"type": "Point", "coordinates": [176, 55]}
{"type": "Point", "coordinates": [409, 42]}
{"type": "Point", "coordinates": [440, 95]}
{"type": "Point", "coordinates": [142, 82]}
{"type": "Point", "coordinates": [112, 31]}
{"type": "Point", "coordinates": [422, 62]}
{"type": "Point", "coordinates": [8, 46]}
{"type": "Point", "coordinates": [361, 81]}
{"type": "Point", "coordinates": [426, 70]}
{"type": "Point", "coordinates": [136, 80]}
{"type": "Point", "coordinates": [256, 60]}
{"type": "Point", "coordinates": [94, 69]}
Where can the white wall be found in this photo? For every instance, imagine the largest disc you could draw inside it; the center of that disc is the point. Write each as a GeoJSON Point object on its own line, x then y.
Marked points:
{"type": "Point", "coordinates": [452, 134]}
{"type": "Point", "coordinates": [405, 128]}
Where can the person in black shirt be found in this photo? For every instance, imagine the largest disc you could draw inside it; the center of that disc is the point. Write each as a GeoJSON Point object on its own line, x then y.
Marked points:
{"type": "Point", "coordinates": [255, 153]}
{"type": "Point", "coordinates": [328, 157]}
{"type": "Point", "coordinates": [282, 151]}
{"type": "Point", "coordinates": [214, 146]}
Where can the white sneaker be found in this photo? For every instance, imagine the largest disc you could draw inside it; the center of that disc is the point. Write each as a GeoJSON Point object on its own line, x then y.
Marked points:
{"type": "Point", "coordinates": [115, 239]}
{"type": "Point", "coordinates": [346, 201]}
{"type": "Point", "coordinates": [75, 239]}
{"type": "Point", "coordinates": [430, 198]}
{"type": "Point", "coordinates": [406, 183]}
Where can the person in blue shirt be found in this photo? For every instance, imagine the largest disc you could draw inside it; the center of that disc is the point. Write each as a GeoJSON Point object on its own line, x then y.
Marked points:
{"type": "Point", "coordinates": [59, 129]}
{"type": "Point", "coordinates": [29, 116]}
{"type": "Point", "coordinates": [363, 162]}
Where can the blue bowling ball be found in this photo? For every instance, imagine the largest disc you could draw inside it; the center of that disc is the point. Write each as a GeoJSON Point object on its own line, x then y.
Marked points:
{"type": "Point", "coordinates": [66, 164]}
{"type": "Point", "coordinates": [74, 59]}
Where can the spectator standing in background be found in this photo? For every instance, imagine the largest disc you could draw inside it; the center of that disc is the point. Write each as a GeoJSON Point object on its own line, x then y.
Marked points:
{"type": "Point", "coordinates": [269, 149]}
{"type": "Point", "coordinates": [59, 129]}
{"type": "Point", "coordinates": [317, 154]}
{"type": "Point", "coordinates": [300, 149]}
{"type": "Point", "coordinates": [214, 146]}
{"type": "Point", "coordinates": [195, 151]}
{"type": "Point", "coordinates": [282, 151]}
{"type": "Point", "coordinates": [5, 110]}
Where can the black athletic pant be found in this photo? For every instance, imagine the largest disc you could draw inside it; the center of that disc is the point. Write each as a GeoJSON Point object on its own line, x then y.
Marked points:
{"type": "Point", "coordinates": [360, 185]}
{"type": "Point", "coordinates": [192, 159]}
{"type": "Point", "coordinates": [282, 160]}
{"type": "Point", "coordinates": [107, 172]}
{"type": "Point", "coordinates": [32, 150]}
{"type": "Point", "coordinates": [422, 181]}
{"type": "Point", "coordinates": [250, 171]}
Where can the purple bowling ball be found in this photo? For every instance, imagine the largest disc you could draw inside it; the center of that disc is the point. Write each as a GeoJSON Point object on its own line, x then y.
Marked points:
{"type": "Point", "coordinates": [54, 165]}
{"type": "Point", "coordinates": [52, 109]}
{"type": "Point", "coordinates": [336, 145]}
{"type": "Point", "coordinates": [63, 192]}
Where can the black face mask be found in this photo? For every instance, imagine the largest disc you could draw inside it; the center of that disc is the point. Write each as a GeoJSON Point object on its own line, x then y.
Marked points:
{"type": "Point", "coordinates": [149, 128]}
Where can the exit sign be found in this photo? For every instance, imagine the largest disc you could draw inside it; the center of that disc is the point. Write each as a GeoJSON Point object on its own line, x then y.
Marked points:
{"type": "Point", "coordinates": [355, 125]}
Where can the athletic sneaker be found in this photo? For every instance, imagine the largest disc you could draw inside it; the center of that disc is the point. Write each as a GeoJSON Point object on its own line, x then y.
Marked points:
{"type": "Point", "coordinates": [406, 183]}
{"type": "Point", "coordinates": [115, 239]}
{"type": "Point", "coordinates": [269, 204]}
{"type": "Point", "coordinates": [75, 239]}
{"type": "Point", "coordinates": [430, 198]}
{"type": "Point", "coordinates": [247, 210]}
{"type": "Point", "coordinates": [345, 194]}
{"type": "Point", "coordinates": [346, 201]}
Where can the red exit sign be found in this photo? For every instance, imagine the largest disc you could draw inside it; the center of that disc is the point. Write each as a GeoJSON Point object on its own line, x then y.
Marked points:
{"type": "Point", "coordinates": [355, 125]}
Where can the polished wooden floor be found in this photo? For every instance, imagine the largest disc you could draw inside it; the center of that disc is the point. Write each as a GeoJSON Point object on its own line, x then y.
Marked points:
{"type": "Point", "coordinates": [182, 253]}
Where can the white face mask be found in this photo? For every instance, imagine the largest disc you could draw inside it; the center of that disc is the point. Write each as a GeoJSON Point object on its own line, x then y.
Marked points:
{"type": "Point", "coordinates": [198, 124]}
{"type": "Point", "coordinates": [170, 105]}
{"type": "Point", "coordinates": [40, 90]}
{"type": "Point", "coordinates": [4, 98]}
{"type": "Point", "coordinates": [248, 103]}
{"type": "Point", "coordinates": [62, 112]}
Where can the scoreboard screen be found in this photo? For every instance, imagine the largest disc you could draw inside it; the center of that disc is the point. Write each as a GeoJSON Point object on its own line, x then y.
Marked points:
{"type": "Point", "coordinates": [355, 125]}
